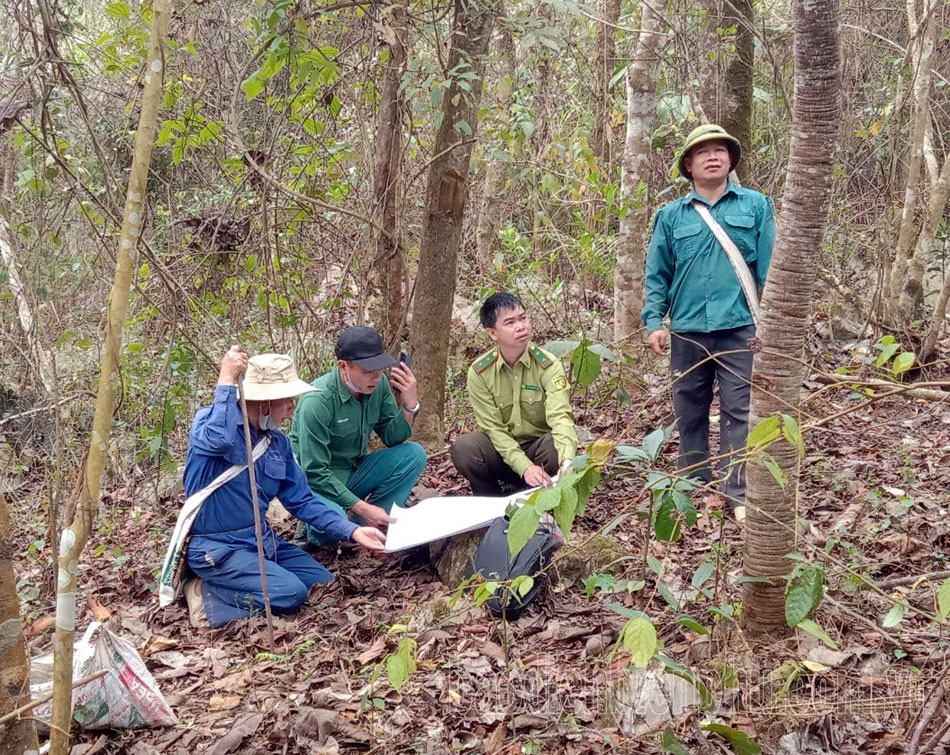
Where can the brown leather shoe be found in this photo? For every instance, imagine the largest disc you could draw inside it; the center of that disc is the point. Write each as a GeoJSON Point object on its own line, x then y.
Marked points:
{"type": "Point", "coordinates": [196, 604]}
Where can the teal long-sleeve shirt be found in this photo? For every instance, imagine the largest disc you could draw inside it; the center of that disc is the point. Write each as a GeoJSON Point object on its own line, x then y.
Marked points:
{"type": "Point", "coordinates": [331, 429]}
{"type": "Point", "coordinates": [688, 274]}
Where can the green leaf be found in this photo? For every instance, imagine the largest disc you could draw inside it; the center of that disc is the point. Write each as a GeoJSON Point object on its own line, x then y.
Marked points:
{"type": "Point", "coordinates": [561, 348]}
{"type": "Point", "coordinates": [586, 365]}
{"type": "Point", "coordinates": [653, 443]}
{"type": "Point", "coordinates": [764, 433]}
{"type": "Point", "coordinates": [632, 453]}
{"type": "Point", "coordinates": [793, 433]}
{"type": "Point", "coordinates": [895, 615]}
{"type": "Point", "coordinates": [685, 620]}
{"type": "Point", "coordinates": [252, 86]}
{"type": "Point", "coordinates": [628, 613]}
{"type": "Point", "coordinates": [639, 639]}
{"type": "Point", "coordinates": [815, 630]}
{"type": "Point", "coordinates": [522, 527]}
{"type": "Point", "coordinates": [677, 669]}
{"type": "Point", "coordinates": [671, 744]}
{"type": "Point", "coordinates": [117, 10]}
{"type": "Point", "coordinates": [565, 511]}
{"type": "Point", "coordinates": [599, 581]}
{"type": "Point", "coordinates": [483, 592]}
{"type": "Point", "coordinates": [522, 585]}
{"type": "Point", "coordinates": [547, 498]}
{"type": "Point", "coordinates": [943, 600]}
{"type": "Point", "coordinates": [903, 362]}
{"type": "Point", "coordinates": [741, 742]}
{"type": "Point", "coordinates": [401, 664]}
{"type": "Point", "coordinates": [888, 349]}
{"type": "Point", "coordinates": [776, 471]}
{"type": "Point", "coordinates": [798, 604]}
{"type": "Point", "coordinates": [602, 351]}
{"type": "Point", "coordinates": [703, 573]}
{"type": "Point", "coordinates": [667, 595]}
{"type": "Point", "coordinates": [666, 521]}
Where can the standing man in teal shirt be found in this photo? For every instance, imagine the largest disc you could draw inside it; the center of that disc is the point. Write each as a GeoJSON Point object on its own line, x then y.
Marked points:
{"type": "Point", "coordinates": [689, 277]}
{"type": "Point", "coordinates": [332, 426]}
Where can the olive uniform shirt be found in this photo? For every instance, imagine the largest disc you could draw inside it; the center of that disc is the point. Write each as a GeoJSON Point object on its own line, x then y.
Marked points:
{"type": "Point", "coordinates": [515, 405]}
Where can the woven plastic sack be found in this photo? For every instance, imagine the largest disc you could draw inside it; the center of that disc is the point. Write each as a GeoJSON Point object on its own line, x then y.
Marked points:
{"type": "Point", "coordinates": [125, 698]}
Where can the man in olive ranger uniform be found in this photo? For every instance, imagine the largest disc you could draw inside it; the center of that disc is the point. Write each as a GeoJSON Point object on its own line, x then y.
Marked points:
{"type": "Point", "coordinates": [522, 404]}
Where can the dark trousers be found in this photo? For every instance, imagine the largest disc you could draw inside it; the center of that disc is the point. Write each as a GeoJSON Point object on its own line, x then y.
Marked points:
{"type": "Point", "coordinates": [693, 394]}
{"type": "Point", "coordinates": [478, 462]}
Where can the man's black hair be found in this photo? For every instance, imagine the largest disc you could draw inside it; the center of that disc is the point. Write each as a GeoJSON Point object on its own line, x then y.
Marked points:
{"type": "Point", "coordinates": [488, 315]}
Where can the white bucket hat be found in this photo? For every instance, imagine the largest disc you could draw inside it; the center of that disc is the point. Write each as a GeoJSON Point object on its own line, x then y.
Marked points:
{"type": "Point", "coordinates": [272, 376]}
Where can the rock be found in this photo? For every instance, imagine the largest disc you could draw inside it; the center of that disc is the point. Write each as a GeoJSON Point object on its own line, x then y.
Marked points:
{"type": "Point", "coordinates": [645, 700]}
{"type": "Point", "coordinates": [429, 615]}
{"type": "Point", "coordinates": [454, 557]}
{"type": "Point", "coordinates": [576, 563]}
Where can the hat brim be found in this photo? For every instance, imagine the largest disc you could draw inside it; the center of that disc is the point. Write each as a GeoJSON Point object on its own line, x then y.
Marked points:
{"type": "Point", "coordinates": [378, 362]}
{"type": "Point", "coordinates": [275, 391]}
{"type": "Point", "coordinates": [732, 144]}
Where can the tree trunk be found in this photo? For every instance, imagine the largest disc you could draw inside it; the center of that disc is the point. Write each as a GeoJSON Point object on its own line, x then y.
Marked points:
{"type": "Point", "coordinates": [786, 304]}
{"type": "Point", "coordinates": [604, 61]}
{"type": "Point", "coordinates": [496, 170]}
{"type": "Point", "coordinates": [726, 85]}
{"type": "Point", "coordinates": [388, 254]}
{"type": "Point", "coordinates": [17, 736]}
{"type": "Point", "coordinates": [446, 195]}
{"type": "Point", "coordinates": [74, 536]}
{"type": "Point", "coordinates": [632, 237]}
{"type": "Point", "coordinates": [938, 200]}
{"type": "Point", "coordinates": [923, 70]}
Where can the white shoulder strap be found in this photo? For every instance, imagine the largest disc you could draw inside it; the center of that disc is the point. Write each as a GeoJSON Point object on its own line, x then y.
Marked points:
{"type": "Point", "coordinates": [735, 258]}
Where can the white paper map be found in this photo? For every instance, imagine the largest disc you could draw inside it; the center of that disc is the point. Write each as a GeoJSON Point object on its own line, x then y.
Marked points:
{"type": "Point", "coordinates": [444, 516]}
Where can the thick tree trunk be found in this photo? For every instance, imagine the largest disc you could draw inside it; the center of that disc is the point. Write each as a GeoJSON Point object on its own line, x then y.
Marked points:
{"type": "Point", "coordinates": [74, 536]}
{"type": "Point", "coordinates": [604, 61]}
{"type": "Point", "coordinates": [17, 736]}
{"type": "Point", "coordinates": [388, 254]}
{"type": "Point", "coordinates": [923, 69]}
{"type": "Point", "coordinates": [726, 84]}
{"type": "Point", "coordinates": [631, 239]}
{"type": "Point", "coordinates": [446, 196]}
{"type": "Point", "coordinates": [496, 171]}
{"type": "Point", "coordinates": [786, 304]}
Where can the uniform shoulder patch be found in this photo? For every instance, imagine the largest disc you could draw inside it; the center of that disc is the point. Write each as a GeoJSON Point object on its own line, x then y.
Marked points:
{"type": "Point", "coordinates": [543, 360]}
{"type": "Point", "coordinates": [484, 362]}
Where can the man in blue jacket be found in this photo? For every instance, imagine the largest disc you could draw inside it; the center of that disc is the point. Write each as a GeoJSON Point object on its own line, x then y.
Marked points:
{"type": "Point", "coordinates": [222, 551]}
{"type": "Point", "coordinates": [690, 278]}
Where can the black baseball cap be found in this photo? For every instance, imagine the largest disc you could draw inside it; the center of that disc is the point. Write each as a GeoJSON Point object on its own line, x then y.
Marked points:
{"type": "Point", "coordinates": [363, 346]}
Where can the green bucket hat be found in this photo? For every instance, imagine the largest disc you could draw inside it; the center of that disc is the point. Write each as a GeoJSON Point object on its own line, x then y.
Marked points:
{"type": "Point", "coordinates": [708, 132]}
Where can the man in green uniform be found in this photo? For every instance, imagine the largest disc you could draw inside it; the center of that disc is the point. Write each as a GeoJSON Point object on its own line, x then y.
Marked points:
{"type": "Point", "coordinates": [521, 400]}
{"type": "Point", "coordinates": [332, 426]}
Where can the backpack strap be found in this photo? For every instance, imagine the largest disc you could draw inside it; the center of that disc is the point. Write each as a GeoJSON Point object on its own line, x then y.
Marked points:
{"type": "Point", "coordinates": [735, 257]}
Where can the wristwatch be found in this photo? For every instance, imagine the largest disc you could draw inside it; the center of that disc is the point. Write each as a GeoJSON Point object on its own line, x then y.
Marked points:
{"type": "Point", "coordinates": [414, 410]}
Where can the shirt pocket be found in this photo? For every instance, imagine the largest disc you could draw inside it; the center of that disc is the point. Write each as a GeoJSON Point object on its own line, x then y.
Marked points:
{"type": "Point", "coordinates": [741, 229]}
{"type": "Point", "coordinates": [532, 406]}
{"type": "Point", "coordinates": [687, 240]}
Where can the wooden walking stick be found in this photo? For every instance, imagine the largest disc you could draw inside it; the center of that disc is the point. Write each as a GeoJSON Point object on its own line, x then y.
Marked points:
{"type": "Point", "coordinates": [258, 530]}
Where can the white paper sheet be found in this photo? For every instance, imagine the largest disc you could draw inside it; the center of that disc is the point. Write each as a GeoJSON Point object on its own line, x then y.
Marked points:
{"type": "Point", "coordinates": [444, 516]}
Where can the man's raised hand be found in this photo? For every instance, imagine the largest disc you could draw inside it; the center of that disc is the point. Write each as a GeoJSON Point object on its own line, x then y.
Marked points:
{"type": "Point", "coordinates": [232, 366]}
{"type": "Point", "coordinates": [536, 477]}
{"type": "Point", "coordinates": [658, 340]}
{"type": "Point", "coordinates": [370, 538]}
{"type": "Point", "coordinates": [404, 380]}
{"type": "Point", "coordinates": [374, 516]}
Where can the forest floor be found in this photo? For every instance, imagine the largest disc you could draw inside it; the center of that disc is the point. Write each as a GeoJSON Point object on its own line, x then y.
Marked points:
{"type": "Point", "coordinates": [873, 502]}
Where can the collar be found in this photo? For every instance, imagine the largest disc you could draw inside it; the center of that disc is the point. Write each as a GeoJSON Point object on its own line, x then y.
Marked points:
{"type": "Point", "coordinates": [341, 388]}
{"type": "Point", "coordinates": [731, 188]}
{"type": "Point", "coordinates": [524, 359]}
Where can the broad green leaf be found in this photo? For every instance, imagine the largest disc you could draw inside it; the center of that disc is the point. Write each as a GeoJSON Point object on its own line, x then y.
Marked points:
{"type": "Point", "coordinates": [561, 348]}
{"type": "Point", "coordinates": [401, 664]}
{"type": "Point", "coordinates": [813, 580]}
{"type": "Point", "coordinates": [798, 603]}
{"type": "Point", "coordinates": [585, 483]}
{"type": "Point", "coordinates": [793, 433]}
{"type": "Point", "coordinates": [815, 630]}
{"type": "Point", "coordinates": [653, 443]}
{"type": "Point", "coordinates": [776, 471]}
{"type": "Point", "coordinates": [764, 433]}
{"type": "Point", "coordinates": [943, 600]}
{"type": "Point", "coordinates": [547, 498]}
{"type": "Point", "coordinates": [599, 581]}
{"type": "Point", "coordinates": [685, 506]}
{"type": "Point", "coordinates": [639, 639]}
{"type": "Point", "coordinates": [671, 744]}
{"type": "Point", "coordinates": [564, 513]}
{"type": "Point", "coordinates": [522, 527]}
{"type": "Point", "coordinates": [483, 592]}
{"type": "Point", "coordinates": [252, 87]}
{"type": "Point", "coordinates": [603, 352]}
{"type": "Point", "coordinates": [677, 669]}
{"type": "Point", "coordinates": [903, 362]}
{"type": "Point", "coordinates": [685, 620]}
{"type": "Point", "coordinates": [703, 573]}
{"type": "Point", "coordinates": [628, 613]}
{"type": "Point", "coordinates": [887, 351]}
{"type": "Point", "coordinates": [598, 451]}
{"type": "Point", "coordinates": [895, 615]}
{"type": "Point", "coordinates": [741, 742]}
{"type": "Point", "coordinates": [586, 364]}
{"type": "Point", "coordinates": [117, 10]}
{"type": "Point", "coordinates": [632, 453]}
{"type": "Point", "coordinates": [522, 585]}
{"type": "Point", "coordinates": [667, 595]}
{"type": "Point", "coordinates": [666, 520]}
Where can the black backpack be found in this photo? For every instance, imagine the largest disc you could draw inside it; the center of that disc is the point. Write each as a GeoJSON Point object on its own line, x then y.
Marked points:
{"type": "Point", "coordinates": [493, 560]}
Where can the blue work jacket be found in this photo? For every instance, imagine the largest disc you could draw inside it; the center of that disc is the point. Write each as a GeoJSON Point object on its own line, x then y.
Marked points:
{"type": "Point", "coordinates": [688, 274]}
{"type": "Point", "coordinates": [226, 520]}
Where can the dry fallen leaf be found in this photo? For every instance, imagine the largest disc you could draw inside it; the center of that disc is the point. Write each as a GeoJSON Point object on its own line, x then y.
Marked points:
{"type": "Point", "coordinates": [224, 702]}
{"type": "Point", "coordinates": [373, 652]}
{"type": "Point", "coordinates": [99, 611]}
{"type": "Point", "coordinates": [243, 728]}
